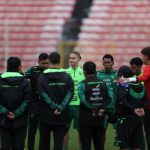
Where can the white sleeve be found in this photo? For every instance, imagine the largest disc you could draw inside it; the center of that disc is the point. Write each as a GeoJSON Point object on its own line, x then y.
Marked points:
{"type": "Point", "coordinates": [132, 79]}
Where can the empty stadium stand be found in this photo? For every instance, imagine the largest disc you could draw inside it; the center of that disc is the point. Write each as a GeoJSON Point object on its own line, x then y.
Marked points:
{"type": "Point", "coordinates": [119, 27]}
{"type": "Point", "coordinates": [29, 27]}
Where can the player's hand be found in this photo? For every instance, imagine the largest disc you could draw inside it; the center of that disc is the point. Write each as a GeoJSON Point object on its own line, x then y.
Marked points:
{"type": "Point", "coordinates": [57, 112]}
{"type": "Point", "coordinates": [139, 112]}
{"type": "Point", "coordinates": [122, 80]}
{"type": "Point", "coordinates": [101, 112]}
{"type": "Point", "coordinates": [10, 115]}
{"type": "Point", "coordinates": [142, 111]}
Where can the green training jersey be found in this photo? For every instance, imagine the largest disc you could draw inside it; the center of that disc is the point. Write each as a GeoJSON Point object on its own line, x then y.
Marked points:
{"type": "Point", "coordinates": [109, 78]}
{"type": "Point", "coordinates": [77, 76]}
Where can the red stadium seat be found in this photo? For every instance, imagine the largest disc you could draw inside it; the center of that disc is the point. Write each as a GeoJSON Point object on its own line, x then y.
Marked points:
{"type": "Point", "coordinates": [120, 27]}
{"type": "Point", "coordinates": [29, 27]}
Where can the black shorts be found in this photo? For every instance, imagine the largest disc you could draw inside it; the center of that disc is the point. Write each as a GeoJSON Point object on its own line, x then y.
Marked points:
{"type": "Point", "coordinates": [74, 115]}
{"type": "Point", "coordinates": [128, 132]}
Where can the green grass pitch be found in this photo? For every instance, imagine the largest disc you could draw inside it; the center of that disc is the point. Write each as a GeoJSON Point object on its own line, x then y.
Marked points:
{"type": "Point", "coordinates": [73, 141]}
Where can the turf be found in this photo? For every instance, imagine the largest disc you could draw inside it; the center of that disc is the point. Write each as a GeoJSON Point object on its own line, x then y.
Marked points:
{"type": "Point", "coordinates": [73, 142]}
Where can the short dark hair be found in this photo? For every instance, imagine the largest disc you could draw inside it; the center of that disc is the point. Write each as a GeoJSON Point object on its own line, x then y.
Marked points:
{"type": "Point", "coordinates": [108, 56]}
{"type": "Point", "coordinates": [43, 56]}
{"type": "Point", "coordinates": [125, 71]}
{"type": "Point", "coordinates": [13, 64]}
{"type": "Point", "coordinates": [89, 67]}
{"type": "Point", "coordinates": [146, 51]}
{"type": "Point", "coordinates": [54, 58]}
{"type": "Point", "coordinates": [136, 61]}
{"type": "Point", "coordinates": [76, 53]}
